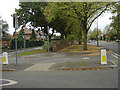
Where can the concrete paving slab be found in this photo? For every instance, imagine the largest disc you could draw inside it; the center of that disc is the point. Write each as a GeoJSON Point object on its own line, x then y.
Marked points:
{"type": "Point", "coordinates": [40, 67]}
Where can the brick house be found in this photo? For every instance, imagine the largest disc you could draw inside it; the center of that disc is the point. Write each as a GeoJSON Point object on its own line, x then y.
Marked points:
{"type": "Point", "coordinates": [4, 39]}
{"type": "Point", "coordinates": [28, 34]}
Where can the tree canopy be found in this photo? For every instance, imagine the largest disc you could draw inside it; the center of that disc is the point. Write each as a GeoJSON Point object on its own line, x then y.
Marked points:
{"type": "Point", "coordinates": [68, 18]}
{"type": "Point", "coordinates": [4, 24]}
{"type": "Point", "coordinates": [84, 13]}
{"type": "Point", "coordinates": [116, 19]}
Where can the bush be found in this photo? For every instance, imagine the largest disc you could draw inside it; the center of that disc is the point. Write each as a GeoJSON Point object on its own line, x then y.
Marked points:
{"type": "Point", "coordinates": [45, 46]}
{"type": "Point", "coordinates": [20, 44]}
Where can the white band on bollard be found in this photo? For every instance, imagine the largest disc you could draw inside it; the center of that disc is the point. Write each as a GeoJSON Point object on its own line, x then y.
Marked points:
{"type": "Point", "coordinates": [103, 56]}
{"type": "Point", "coordinates": [5, 58]}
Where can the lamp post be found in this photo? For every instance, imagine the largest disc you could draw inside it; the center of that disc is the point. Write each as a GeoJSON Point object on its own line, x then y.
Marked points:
{"type": "Point", "coordinates": [48, 37]}
{"type": "Point", "coordinates": [97, 33]}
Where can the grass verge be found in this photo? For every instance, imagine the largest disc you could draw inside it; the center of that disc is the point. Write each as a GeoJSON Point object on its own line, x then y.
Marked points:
{"type": "Point", "coordinates": [32, 52]}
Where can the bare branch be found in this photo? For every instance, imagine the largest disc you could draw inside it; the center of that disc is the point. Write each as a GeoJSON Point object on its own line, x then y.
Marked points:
{"type": "Point", "coordinates": [96, 17]}
{"type": "Point", "coordinates": [97, 10]}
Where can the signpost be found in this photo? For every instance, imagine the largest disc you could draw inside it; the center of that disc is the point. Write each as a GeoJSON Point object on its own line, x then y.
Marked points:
{"type": "Point", "coordinates": [16, 27]}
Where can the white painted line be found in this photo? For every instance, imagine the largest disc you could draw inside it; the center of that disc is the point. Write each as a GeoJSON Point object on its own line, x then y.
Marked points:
{"type": "Point", "coordinates": [40, 67]}
{"type": "Point", "coordinates": [86, 58]}
{"type": "Point", "coordinates": [11, 82]}
{"type": "Point", "coordinates": [115, 56]}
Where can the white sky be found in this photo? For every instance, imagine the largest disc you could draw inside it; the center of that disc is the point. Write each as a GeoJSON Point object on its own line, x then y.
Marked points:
{"type": "Point", "coordinates": [103, 20]}
{"type": "Point", "coordinates": [7, 7]}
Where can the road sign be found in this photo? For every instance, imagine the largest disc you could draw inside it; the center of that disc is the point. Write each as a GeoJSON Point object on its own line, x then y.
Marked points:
{"type": "Point", "coordinates": [16, 21]}
{"type": "Point", "coordinates": [5, 58]}
{"type": "Point", "coordinates": [103, 56]}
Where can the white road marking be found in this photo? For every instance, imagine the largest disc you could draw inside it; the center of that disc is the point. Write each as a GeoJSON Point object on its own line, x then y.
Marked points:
{"type": "Point", "coordinates": [86, 58]}
{"type": "Point", "coordinates": [11, 82]}
{"type": "Point", "coordinates": [40, 67]}
{"type": "Point", "coordinates": [115, 56]}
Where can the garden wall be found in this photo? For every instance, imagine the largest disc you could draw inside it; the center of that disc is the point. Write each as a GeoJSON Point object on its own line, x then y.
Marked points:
{"type": "Point", "coordinates": [60, 44]}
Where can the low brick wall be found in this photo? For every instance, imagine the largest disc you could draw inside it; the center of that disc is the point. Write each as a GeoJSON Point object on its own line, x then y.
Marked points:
{"type": "Point", "coordinates": [60, 44]}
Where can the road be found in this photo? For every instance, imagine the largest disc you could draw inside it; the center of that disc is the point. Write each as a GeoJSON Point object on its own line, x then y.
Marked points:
{"type": "Point", "coordinates": [59, 79]}
{"type": "Point", "coordinates": [64, 79]}
{"type": "Point", "coordinates": [110, 45]}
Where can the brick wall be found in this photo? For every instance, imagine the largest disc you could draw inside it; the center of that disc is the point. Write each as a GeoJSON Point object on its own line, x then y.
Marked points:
{"type": "Point", "coordinates": [59, 44]}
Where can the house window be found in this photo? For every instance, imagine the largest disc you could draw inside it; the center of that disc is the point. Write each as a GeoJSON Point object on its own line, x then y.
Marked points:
{"type": "Point", "coordinates": [5, 43]}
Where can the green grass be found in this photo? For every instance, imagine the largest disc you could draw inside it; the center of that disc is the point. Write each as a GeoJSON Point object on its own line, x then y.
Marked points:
{"type": "Point", "coordinates": [32, 52]}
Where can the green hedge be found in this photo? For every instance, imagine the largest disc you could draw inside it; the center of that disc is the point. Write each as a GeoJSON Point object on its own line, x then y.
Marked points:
{"type": "Point", "coordinates": [20, 44]}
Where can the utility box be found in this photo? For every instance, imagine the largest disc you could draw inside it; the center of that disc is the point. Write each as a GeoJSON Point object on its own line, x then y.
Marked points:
{"type": "Point", "coordinates": [103, 56]}
{"type": "Point", "coordinates": [5, 58]}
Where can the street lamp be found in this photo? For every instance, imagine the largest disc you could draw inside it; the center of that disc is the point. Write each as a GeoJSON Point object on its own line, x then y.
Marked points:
{"type": "Point", "coordinates": [48, 38]}
{"type": "Point", "coordinates": [97, 33]}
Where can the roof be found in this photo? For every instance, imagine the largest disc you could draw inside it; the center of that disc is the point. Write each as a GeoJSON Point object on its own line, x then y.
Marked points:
{"type": "Point", "coordinates": [27, 31]}
{"type": "Point", "coordinates": [5, 36]}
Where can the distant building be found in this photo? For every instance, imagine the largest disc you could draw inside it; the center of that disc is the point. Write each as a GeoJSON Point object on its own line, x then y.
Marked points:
{"type": "Point", "coordinates": [28, 34]}
{"type": "Point", "coordinates": [4, 39]}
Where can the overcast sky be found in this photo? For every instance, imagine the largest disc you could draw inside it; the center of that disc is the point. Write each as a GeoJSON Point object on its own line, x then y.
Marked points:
{"type": "Point", "coordinates": [7, 7]}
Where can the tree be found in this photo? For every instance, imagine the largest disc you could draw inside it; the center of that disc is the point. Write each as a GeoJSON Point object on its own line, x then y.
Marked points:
{"type": "Point", "coordinates": [85, 12]}
{"type": "Point", "coordinates": [116, 18]}
{"type": "Point", "coordinates": [32, 12]}
{"type": "Point", "coordinates": [106, 29]}
{"type": "Point", "coordinates": [93, 34]}
{"type": "Point", "coordinates": [33, 36]}
{"type": "Point", "coordinates": [21, 34]}
{"type": "Point", "coordinates": [3, 24]}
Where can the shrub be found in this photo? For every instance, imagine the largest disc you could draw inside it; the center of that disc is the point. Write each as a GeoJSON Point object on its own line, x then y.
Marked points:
{"type": "Point", "coordinates": [20, 44]}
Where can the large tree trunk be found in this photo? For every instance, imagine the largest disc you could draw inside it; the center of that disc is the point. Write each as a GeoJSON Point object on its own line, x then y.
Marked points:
{"type": "Point", "coordinates": [80, 37]}
{"type": "Point", "coordinates": [62, 36]}
{"type": "Point", "coordinates": [66, 36]}
{"type": "Point", "coordinates": [79, 42]}
{"type": "Point", "coordinates": [85, 40]}
{"type": "Point", "coordinates": [85, 30]}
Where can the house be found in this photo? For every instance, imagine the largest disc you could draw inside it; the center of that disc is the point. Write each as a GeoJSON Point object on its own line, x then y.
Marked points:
{"type": "Point", "coordinates": [4, 39]}
{"type": "Point", "coordinates": [28, 34]}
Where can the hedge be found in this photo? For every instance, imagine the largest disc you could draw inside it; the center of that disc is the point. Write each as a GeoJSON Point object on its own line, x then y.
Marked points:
{"type": "Point", "coordinates": [20, 44]}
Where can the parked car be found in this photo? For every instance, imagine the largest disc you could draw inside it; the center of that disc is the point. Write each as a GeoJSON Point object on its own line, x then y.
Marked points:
{"type": "Point", "coordinates": [117, 40]}
{"type": "Point", "coordinates": [91, 41]}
